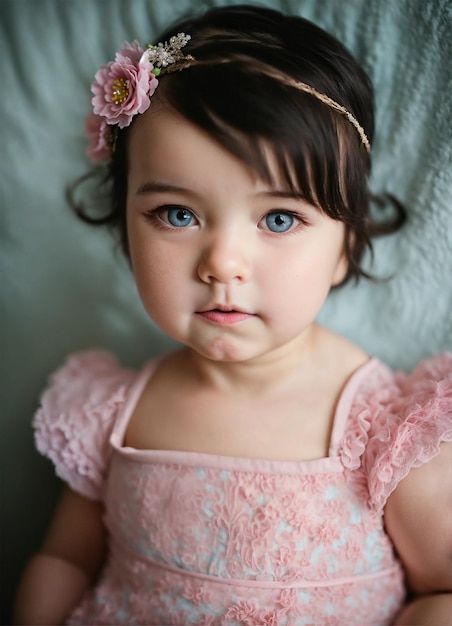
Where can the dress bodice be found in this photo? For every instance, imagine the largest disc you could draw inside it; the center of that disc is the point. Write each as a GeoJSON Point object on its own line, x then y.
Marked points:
{"type": "Point", "coordinates": [205, 539]}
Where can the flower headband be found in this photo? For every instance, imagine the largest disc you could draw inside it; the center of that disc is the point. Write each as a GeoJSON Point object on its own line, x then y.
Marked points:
{"type": "Point", "coordinates": [124, 87]}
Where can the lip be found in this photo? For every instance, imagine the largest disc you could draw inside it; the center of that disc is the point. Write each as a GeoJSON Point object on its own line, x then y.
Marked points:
{"type": "Point", "coordinates": [224, 316]}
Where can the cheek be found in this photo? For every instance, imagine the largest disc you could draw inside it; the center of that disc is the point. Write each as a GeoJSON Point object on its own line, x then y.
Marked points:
{"type": "Point", "coordinates": [159, 293]}
{"type": "Point", "coordinates": [161, 274]}
{"type": "Point", "coordinates": [300, 284]}
{"type": "Point", "coordinates": [150, 273]}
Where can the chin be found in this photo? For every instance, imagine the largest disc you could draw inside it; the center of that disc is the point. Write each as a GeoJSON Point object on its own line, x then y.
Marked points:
{"type": "Point", "coordinates": [224, 350]}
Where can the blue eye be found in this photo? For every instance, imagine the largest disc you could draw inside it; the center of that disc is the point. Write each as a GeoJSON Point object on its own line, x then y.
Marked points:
{"type": "Point", "coordinates": [279, 222]}
{"type": "Point", "coordinates": [179, 217]}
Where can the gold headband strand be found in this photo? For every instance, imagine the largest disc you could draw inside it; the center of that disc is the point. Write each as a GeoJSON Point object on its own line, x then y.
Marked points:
{"type": "Point", "coordinates": [331, 103]}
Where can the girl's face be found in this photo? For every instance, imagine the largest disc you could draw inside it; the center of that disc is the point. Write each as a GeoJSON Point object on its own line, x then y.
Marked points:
{"type": "Point", "coordinates": [225, 263]}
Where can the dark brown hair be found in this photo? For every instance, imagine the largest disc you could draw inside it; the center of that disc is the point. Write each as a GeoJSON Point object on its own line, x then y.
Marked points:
{"type": "Point", "coordinates": [320, 152]}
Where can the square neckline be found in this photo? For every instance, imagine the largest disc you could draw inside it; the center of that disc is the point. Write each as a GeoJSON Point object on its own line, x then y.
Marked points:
{"type": "Point", "coordinates": [327, 464]}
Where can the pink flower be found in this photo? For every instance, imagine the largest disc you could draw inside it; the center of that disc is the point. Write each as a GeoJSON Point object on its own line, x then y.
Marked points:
{"type": "Point", "coordinates": [325, 534]}
{"type": "Point", "coordinates": [122, 88]}
{"type": "Point", "coordinates": [266, 618]}
{"type": "Point", "coordinates": [97, 130]}
{"type": "Point", "coordinates": [129, 53]}
{"type": "Point", "coordinates": [287, 553]}
{"type": "Point", "coordinates": [287, 598]}
{"type": "Point", "coordinates": [195, 593]}
{"type": "Point", "coordinates": [243, 611]}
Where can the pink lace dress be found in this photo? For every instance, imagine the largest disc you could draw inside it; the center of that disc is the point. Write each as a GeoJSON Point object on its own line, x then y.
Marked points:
{"type": "Point", "coordinates": [211, 540]}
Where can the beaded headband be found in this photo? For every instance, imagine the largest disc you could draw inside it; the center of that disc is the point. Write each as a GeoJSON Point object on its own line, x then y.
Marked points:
{"type": "Point", "coordinates": [124, 87]}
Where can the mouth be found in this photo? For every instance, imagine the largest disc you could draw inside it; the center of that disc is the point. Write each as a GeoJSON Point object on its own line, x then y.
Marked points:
{"type": "Point", "coordinates": [225, 315]}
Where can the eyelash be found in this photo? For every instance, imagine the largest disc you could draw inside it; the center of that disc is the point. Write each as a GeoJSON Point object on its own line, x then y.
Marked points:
{"type": "Point", "coordinates": [155, 217]}
{"type": "Point", "coordinates": [300, 221]}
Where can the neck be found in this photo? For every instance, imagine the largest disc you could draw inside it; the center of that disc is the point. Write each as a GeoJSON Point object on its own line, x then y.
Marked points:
{"type": "Point", "coordinates": [264, 374]}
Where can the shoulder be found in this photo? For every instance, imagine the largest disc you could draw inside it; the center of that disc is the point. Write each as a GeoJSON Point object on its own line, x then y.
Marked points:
{"type": "Point", "coordinates": [86, 382]}
{"type": "Point", "coordinates": [405, 425]}
{"type": "Point", "coordinates": [418, 518]}
{"type": "Point", "coordinates": [76, 415]}
{"type": "Point", "coordinates": [398, 421]}
{"type": "Point", "coordinates": [412, 419]}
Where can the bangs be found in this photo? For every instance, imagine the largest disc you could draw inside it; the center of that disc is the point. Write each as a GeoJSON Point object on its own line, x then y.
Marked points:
{"type": "Point", "coordinates": [249, 113]}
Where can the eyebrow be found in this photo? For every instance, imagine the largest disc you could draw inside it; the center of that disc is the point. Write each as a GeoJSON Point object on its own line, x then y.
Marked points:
{"type": "Point", "coordinates": [160, 187]}
{"type": "Point", "coordinates": [157, 187]}
{"type": "Point", "coordinates": [281, 193]}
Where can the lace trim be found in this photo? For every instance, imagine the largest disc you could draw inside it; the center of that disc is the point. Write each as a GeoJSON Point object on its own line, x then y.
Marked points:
{"type": "Point", "coordinates": [398, 425]}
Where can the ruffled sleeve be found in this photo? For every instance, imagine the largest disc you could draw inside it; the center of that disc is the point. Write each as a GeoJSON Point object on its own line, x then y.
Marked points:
{"type": "Point", "coordinates": [77, 413]}
{"type": "Point", "coordinates": [399, 423]}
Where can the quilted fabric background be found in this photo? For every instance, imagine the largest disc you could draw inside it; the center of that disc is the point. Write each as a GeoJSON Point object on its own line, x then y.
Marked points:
{"type": "Point", "coordinates": [64, 287]}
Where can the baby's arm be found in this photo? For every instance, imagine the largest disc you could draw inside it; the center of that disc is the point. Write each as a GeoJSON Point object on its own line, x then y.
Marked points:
{"type": "Point", "coordinates": [418, 517]}
{"type": "Point", "coordinates": [70, 558]}
{"type": "Point", "coordinates": [432, 609]}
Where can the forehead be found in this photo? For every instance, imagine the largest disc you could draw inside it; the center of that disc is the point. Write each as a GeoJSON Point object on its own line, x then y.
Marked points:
{"type": "Point", "coordinates": [163, 144]}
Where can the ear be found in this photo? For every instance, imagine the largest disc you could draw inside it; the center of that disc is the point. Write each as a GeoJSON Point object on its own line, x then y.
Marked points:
{"type": "Point", "coordinates": [341, 270]}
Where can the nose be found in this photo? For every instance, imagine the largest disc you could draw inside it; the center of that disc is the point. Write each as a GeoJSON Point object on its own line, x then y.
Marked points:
{"type": "Point", "coordinates": [224, 259]}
